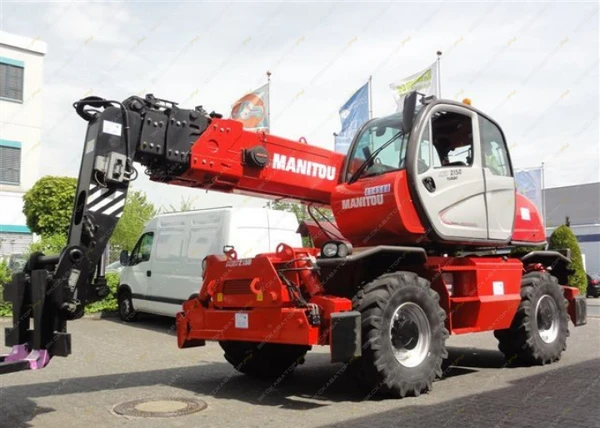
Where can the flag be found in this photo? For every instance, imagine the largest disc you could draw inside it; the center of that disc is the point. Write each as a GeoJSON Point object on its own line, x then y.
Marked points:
{"type": "Point", "coordinates": [352, 114]}
{"type": "Point", "coordinates": [253, 109]}
{"type": "Point", "coordinates": [529, 184]}
{"type": "Point", "coordinates": [425, 81]}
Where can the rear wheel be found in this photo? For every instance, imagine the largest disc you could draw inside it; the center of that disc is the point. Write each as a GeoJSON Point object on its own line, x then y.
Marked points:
{"type": "Point", "coordinates": [403, 335]}
{"type": "Point", "coordinates": [264, 360]}
{"type": "Point", "coordinates": [538, 333]}
{"type": "Point", "coordinates": [126, 311]}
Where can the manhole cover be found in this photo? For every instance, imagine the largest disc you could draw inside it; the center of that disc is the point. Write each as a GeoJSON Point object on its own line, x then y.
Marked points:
{"type": "Point", "coordinates": [159, 407]}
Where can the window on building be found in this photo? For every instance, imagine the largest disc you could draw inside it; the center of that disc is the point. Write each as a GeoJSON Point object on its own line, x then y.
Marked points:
{"type": "Point", "coordinates": [10, 163]}
{"type": "Point", "coordinates": [11, 81]}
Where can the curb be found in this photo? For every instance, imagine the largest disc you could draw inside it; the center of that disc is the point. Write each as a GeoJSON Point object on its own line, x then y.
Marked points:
{"type": "Point", "coordinates": [96, 316]}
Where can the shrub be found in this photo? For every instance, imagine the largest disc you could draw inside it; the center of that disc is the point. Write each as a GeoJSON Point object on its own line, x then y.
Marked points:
{"type": "Point", "coordinates": [563, 238]}
{"type": "Point", "coordinates": [48, 205]}
{"type": "Point", "coordinates": [109, 303]}
{"type": "Point", "coordinates": [5, 277]}
{"type": "Point", "coordinates": [51, 244]}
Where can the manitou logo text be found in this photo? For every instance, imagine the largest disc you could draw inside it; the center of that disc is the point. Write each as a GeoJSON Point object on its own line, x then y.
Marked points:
{"type": "Point", "coordinates": [302, 166]}
{"type": "Point", "coordinates": [373, 196]}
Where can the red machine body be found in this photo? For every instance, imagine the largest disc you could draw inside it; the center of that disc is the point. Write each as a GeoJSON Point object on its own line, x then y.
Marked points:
{"type": "Point", "coordinates": [426, 214]}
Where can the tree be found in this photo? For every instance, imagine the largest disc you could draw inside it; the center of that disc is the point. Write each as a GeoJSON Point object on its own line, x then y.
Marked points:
{"type": "Point", "coordinates": [185, 204]}
{"type": "Point", "coordinates": [48, 205]}
{"type": "Point", "coordinates": [137, 212]}
{"type": "Point", "coordinates": [563, 238]}
{"type": "Point", "coordinates": [298, 209]}
{"type": "Point", "coordinates": [49, 244]}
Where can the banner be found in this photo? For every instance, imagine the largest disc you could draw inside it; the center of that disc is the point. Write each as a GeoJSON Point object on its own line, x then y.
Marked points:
{"type": "Point", "coordinates": [253, 109]}
{"type": "Point", "coordinates": [529, 183]}
{"type": "Point", "coordinates": [425, 81]}
{"type": "Point", "coordinates": [353, 115]}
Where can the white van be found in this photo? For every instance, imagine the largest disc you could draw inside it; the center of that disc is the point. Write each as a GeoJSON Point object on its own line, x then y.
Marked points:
{"type": "Point", "coordinates": [165, 266]}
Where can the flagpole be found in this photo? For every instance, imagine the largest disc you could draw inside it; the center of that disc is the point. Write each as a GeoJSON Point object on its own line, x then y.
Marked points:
{"type": "Point", "coordinates": [269, 99]}
{"type": "Point", "coordinates": [370, 97]}
{"type": "Point", "coordinates": [439, 75]}
{"type": "Point", "coordinates": [543, 195]}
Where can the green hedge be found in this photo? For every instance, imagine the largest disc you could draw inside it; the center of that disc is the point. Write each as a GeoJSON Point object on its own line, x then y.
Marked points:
{"type": "Point", "coordinates": [562, 238]}
{"type": "Point", "coordinates": [108, 304]}
{"type": "Point", "coordinates": [5, 277]}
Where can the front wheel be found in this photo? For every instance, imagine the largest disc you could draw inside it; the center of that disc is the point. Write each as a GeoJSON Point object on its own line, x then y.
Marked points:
{"type": "Point", "coordinates": [403, 335]}
{"type": "Point", "coordinates": [538, 333]}
{"type": "Point", "coordinates": [127, 313]}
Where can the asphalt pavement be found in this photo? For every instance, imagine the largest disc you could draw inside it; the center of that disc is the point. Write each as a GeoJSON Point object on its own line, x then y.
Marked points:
{"type": "Point", "coordinates": [113, 363]}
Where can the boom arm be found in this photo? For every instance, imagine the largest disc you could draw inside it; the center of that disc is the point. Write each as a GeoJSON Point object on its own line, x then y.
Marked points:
{"type": "Point", "coordinates": [177, 146]}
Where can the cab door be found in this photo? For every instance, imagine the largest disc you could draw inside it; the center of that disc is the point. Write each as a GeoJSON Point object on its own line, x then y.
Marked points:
{"type": "Point", "coordinates": [500, 189]}
{"type": "Point", "coordinates": [447, 173]}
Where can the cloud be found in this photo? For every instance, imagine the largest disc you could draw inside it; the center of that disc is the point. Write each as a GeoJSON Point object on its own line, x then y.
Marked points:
{"type": "Point", "coordinates": [514, 60]}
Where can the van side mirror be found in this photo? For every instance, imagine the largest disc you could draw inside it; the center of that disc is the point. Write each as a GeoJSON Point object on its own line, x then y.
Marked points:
{"type": "Point", "coordinates": [124, 258]}
{"type": "Point", "coordinates": [408, 111]}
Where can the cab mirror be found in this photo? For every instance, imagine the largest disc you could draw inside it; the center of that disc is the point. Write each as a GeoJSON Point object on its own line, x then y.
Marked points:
{"type": "Point", "coordinates": [124, 258]}
{"type": "Point", "coordinates": [408, 112]}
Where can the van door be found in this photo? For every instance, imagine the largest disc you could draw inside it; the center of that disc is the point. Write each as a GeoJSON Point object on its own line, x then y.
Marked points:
{"type": "Point", "coordinates": [139, 271]}
{"type": "Point", "coordinates": [500, 186]}
{"type": "Point", "coordinates": [448, 175]}
{"type": "Point", "coordinates": [166, 284]}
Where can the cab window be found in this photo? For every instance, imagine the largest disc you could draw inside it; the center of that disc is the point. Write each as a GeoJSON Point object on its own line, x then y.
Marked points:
{"type": "Point", "coordinates": [143, 248]}
{"type": "Point", "coordinates": [424, 154]}
{"type": "Point", "coordinates": [387, 132]}
{"type": "Point", "coordinates": [452, 135]}
{"type": "Point", "coordinates": [493, 147]}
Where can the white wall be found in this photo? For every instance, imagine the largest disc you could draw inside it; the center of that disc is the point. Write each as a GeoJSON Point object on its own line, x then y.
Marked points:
{"type": "Point", "coordinates": [21, 122]}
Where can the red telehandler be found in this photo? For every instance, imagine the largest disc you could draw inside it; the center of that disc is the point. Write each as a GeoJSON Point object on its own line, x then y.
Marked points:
{"type": "Point", "coordinates": [426, 215]}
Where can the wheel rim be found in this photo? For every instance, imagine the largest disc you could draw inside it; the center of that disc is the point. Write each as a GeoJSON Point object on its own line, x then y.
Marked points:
{"type": "Point", "coordinates": [125, 306]}
{"type": "Point", "coordinates": [546, 315]}
{"type": "Point", "coordinates": [410, 334]}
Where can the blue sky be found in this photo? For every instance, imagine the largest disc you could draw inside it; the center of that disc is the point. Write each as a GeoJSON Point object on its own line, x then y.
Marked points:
{"type": "Point", "coordinates": [532, 66]}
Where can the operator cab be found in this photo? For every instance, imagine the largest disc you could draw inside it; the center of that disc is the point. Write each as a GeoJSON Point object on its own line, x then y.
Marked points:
{"type": "Point", "coordinates": [440, 168]}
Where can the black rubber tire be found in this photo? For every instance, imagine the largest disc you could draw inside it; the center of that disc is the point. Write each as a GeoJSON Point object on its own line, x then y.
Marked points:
{"type": "Point", "coordinates": [127, 312]}
{"type": "Point", "coordinates": [522, 341]}
{"type": "Point", "coordinates": [378, 371]}
{"type": "Point", "coordinates": [264, 360]}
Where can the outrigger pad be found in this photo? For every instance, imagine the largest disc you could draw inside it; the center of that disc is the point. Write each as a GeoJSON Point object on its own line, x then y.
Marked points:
{"type": "Point", "coordinates": [345, 340]}
{"type": "Point", "coordinates": [578, 310]}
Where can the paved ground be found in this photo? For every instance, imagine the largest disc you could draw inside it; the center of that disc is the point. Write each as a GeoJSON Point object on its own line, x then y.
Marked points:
{"type": "Point", "coordinates": [113, 363]}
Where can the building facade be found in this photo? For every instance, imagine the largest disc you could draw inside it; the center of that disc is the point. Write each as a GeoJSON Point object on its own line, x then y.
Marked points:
{"type": "Point", "coordinates": [581, 203]}
{"type": "Point", "coordinates": [21, 81]}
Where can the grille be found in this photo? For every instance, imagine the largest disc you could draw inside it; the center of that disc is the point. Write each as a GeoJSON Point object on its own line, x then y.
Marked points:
{"type": "Point", "coordinates": [236, 286]}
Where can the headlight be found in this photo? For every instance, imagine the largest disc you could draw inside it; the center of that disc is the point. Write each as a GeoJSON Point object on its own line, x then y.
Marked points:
{"type": "Point", "coordinates": [336, 249]}
{"type": "Point", "coordinates": [330, 249]}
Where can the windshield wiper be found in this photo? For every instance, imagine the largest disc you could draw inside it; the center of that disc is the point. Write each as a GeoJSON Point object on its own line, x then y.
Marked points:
{"type": "Point", "coordinates": [371, 158]}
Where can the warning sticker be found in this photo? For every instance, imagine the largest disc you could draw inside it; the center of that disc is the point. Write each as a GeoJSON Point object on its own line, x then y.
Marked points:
{"type": "Point", "coordinates": [498, 288]}
{"type": "Point", "coordinates": [241, 320]}
{"type": "Point", "coordinates": [112, 128]}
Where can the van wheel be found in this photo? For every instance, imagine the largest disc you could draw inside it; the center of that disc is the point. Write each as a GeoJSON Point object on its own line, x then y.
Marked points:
{"type": "Point", "coordinates": [126, 311]}
{"type": "Point", "coordinates": [265, 360]}
{"type": "Point", "coordinates": [403, 335]}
